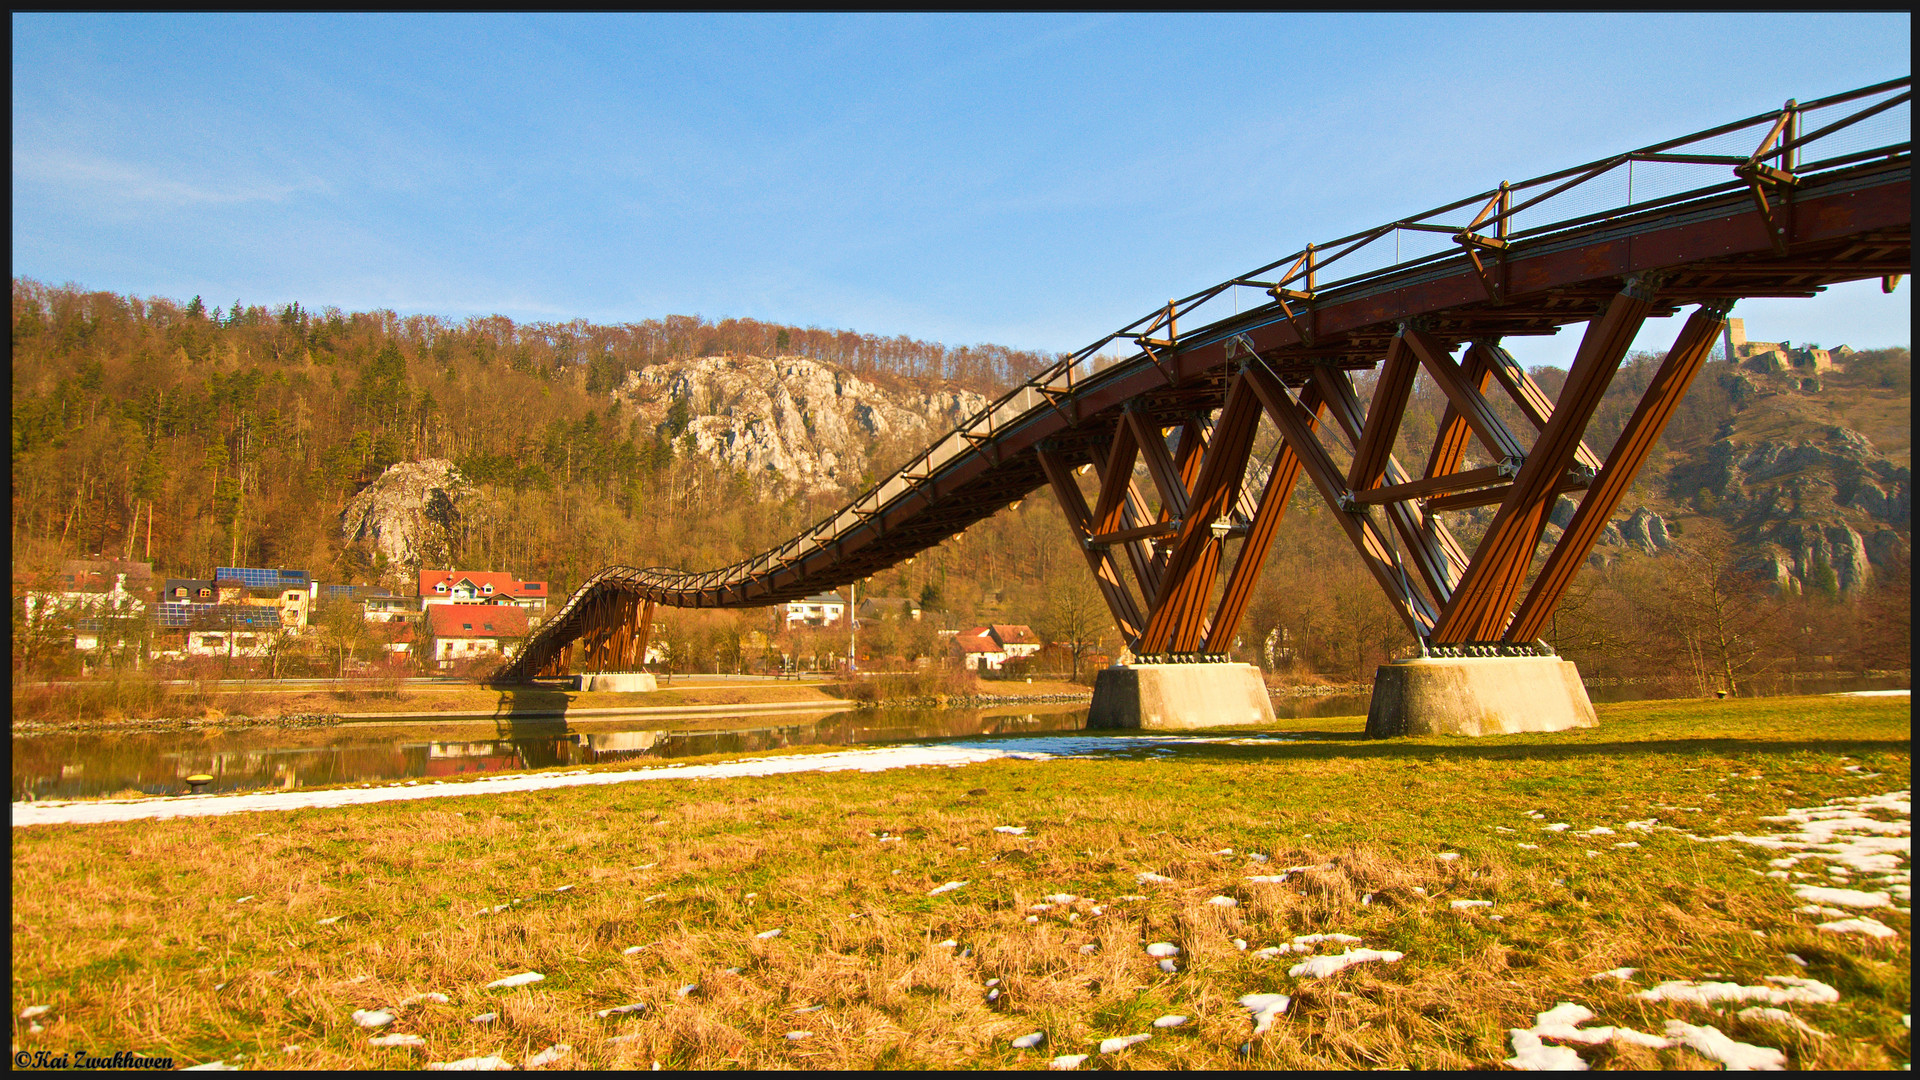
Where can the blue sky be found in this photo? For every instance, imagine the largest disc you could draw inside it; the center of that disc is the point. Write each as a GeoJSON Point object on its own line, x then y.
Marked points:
{"type": "Point", "coordinates": [1033, 181]}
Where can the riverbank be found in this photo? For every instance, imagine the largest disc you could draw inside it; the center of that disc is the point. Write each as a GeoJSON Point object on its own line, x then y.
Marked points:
{"type": "Point", "coordinates": [999, 914]}
{"type": "Point", "coordinates": [490, 706]}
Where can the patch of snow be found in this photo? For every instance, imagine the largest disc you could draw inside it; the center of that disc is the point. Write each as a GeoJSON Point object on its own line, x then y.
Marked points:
{"type": "Point", "coordinates": [1788, 989]}
{"type": "Point", "coordinates": [1265, 1009]}
{"type": "Point", "coordinates": [1761, 1014]}
{"type": "Point", "coordinates": [1864, 924]}
{"type": "Point", "coordinates": [622, 1010]}
{"type": "Point", "coordinates": [1462, 905]}
{"type": "Point", "coordinates": [32, 1011]}
{"type": "Point", "coordinates": [1059, 898]}
{"type": "Point", "coordinates": [1067, 1062]}
{"type": "Point", "coordinates": [472, 1064]}
{"type": "Point", "coordinates": [435, 998]}
{"type": "Point", "coordinates": [1011, 830]}
{"type": "Point", "coordinates": [1168, 966]}
{"type": "Point", "coordinates": [400, 1039]}
{"type": "Point", "coordinates": [1268, 879]}
{"type": "Point", "coordinates": [1709, 1042]}
{"type": "Point", "coordinates": [483, 1018]}
{"type": "Point", "coordinates": [372, 1018]}
{"type": "Point", "coordinates": [1529, 1053]}
{"type": "Point", "coordinates": [947, 888]}
{"type": "Point", "coordinates": [1224, 901]}
{"type": "Point", "coordinates": [796, 1036]}
{"type": "Point", "coordinates": [1621, 973]}
{"type": "Point", "coordinates": [1447, 856]}
{"type": "Point", "coordinates": [632, 950]}
{"type": "Point", "coordinates": [523, 979]}
{"type": "Point", "coordinates": [1558, 826]}
{"type": "Point", "coordinates": [1029, 1041]}
{"type": "Point", "coordinates": [768, 935]}
{"type": "Point", "coordinates": [1121, 1042]}
{"type": "Point", "coordinates": [1151, 878]}
{"type": "Point", "coordinates": [1171, 1021]}
{"type": "Point", "coordinates": [1844, 897]}
{"type": "Point", "coordinates": [1321, 967]}
{"type": "Point", "coordinates": [1337, 939]}
{"type": "Point", "coordinates": [1163, 948]}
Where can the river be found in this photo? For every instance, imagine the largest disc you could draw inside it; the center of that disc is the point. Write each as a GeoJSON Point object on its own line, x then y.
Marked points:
{"type": "Point", "coordinates": [96, 764]}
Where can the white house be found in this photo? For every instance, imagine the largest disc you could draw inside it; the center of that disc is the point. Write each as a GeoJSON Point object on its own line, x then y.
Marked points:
{"type": "Point", "coordinates": [820, 609]}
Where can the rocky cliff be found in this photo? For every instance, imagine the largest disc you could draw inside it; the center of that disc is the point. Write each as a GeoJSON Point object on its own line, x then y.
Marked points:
{"type": "Point", "coordinates": [407, 517]}
{"type": "Point", "coordinates": [1802, 492]}
{"type": "Point", "coordinates": [810, 424]}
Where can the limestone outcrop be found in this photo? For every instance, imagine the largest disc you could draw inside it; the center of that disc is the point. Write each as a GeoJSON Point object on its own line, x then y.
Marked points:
{"type": "Point", "coordinates": [798, 421]}
{"type": "Point", "coordinates": [407, 517]}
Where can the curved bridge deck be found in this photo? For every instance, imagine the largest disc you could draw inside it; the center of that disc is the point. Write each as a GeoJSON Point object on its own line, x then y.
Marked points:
{"type": "Point", "coordinates": [1703, 219]}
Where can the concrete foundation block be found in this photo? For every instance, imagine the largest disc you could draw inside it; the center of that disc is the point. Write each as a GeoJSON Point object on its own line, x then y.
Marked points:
{"type": "Point", "coordinates": [618, 682]}
{"type": "Point", "coordinates": [1177, 697]}
{"type": "Point", "coordinates": [1478, 696]}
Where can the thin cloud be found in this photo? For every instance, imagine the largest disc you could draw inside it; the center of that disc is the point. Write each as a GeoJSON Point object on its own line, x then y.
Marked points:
{"type": "Point", "coordinates": [130, 183]}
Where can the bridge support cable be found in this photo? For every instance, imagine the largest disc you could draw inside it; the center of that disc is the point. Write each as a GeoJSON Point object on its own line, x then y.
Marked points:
{"type": "Point", "coordinates": [1630, 451]}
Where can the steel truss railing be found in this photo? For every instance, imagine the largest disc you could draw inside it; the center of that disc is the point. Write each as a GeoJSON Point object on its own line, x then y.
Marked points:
{"type": "Point", "coordinates": [1766, 158]}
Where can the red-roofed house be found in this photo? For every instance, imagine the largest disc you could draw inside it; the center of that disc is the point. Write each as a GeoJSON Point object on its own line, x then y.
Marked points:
{"type": "Point", "coordinates": [481, 587]}
{"type": "Point", "coordinates": [986, 648]}
{"type": "Point", "coordinates": [461, 631]}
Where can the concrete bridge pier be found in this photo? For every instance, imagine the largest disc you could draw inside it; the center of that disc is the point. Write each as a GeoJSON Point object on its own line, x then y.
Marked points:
{"type": "Point", "coordinates": [1179, 697]}
{"type": "Point", "coordinates": [619, 682]}
{"type": "Point", "coordinates": [1478, 695]}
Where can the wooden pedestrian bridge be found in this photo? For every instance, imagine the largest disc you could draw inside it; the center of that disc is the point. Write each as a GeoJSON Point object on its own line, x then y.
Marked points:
{"type": "Point", "coordinates": [1779, 204]}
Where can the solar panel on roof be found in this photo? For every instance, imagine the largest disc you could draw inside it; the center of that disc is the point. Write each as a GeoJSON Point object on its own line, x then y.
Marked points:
{"type": "Point", "coordinates": [257, 577]}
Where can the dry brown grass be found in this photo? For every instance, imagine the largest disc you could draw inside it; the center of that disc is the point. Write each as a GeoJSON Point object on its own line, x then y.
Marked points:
{"type": "Point", "coordinates": [132, 932]}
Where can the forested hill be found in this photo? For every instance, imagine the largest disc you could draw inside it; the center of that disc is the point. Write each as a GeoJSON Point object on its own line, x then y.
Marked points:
{"type": "Point", "coordinates": [200, 437]}
{"type": "Point", "coordinates": [234, 436]}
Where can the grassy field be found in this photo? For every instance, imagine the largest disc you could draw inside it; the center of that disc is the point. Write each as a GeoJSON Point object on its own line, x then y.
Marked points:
{"type": "Point", "coordinates": [136, 938]}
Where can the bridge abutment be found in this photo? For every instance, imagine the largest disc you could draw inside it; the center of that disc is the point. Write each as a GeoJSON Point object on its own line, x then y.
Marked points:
{"type": "Point", "coordinates": [1179, 697]}
{"type": "Point", "coordinates": [1481, 695]}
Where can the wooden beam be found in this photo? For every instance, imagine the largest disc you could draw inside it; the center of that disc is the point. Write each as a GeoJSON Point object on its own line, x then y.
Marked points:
{"type": "Point", "coordinates": [1630, 451]}
{"type": "Point", "coordinates": [1187, 583]}
{"type": "Point", "coordinates": [1126, 613]}
{"type": "Point", "coordinates": [1296, 427]}
{"type": "Point", "coordinates": [1143, 532]}
{"type": "Point", "coordinates": [1431, 485]}
{"type": "Point", "coordinates": [1374, 442]}
{"type": "Point", "coordinates": [1436, 555]}
{"type": "Point", "coordinates": [1166, 475]}
{"type": "Point", "coordinates": [1525, 393]}
{"type": "Point", "coordinates": [1265, 524]}
{"type": "Point", "coordinates": [1450, 446]}
{"type": "Point", "coordinates": [1479, 608]}
{"type": "Point", "coordinates": [1465, 396]}
{"type": "Point", "coordinates": [1116, 474]}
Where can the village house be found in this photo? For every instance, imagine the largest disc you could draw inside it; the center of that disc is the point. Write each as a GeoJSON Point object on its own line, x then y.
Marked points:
{"type": "Point", "coordinates": [988, 648]}
{"type": "Point", "coordinates": [463, 631]}
{"type": "Point", "coordinates": [438, 587]}
{"type": "Point", "coordinates": [104, 598]}
{"type": "Point", "coordinates": [820, 609]}
{"type": "Point", "coordinates": [874, 608]}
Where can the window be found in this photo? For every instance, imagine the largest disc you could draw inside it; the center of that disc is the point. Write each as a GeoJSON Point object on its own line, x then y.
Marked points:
{"type": "Point", "coordinates": [486, 588]}
{"type": "Point", "coordinates": [466, 626]}
{"type": "Point", "coordinates": [440, 588]}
